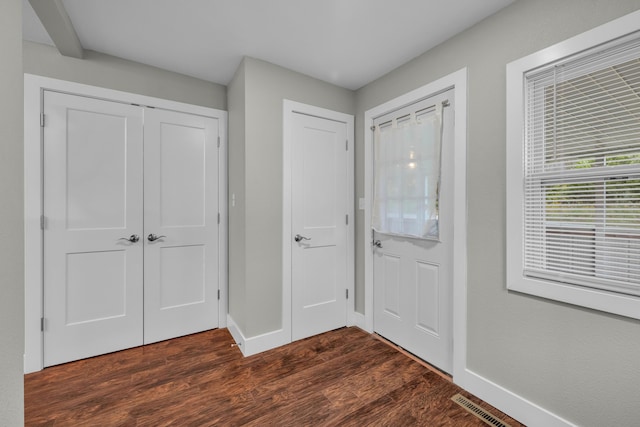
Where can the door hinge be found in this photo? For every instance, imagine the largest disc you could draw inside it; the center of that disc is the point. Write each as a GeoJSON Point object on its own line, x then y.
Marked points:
{"type": "Point", "coordinates": [41, 222]}
{"type": "Point", "coordinates": [41, 120]}
{"type": "Point", "coordinates": [218, 294]}
{"type": "Point", "coordinates": [218, 142]}
{"type": "Point", "coordinates": [347, 293]}
{"type": "Point", "coordinates": [346, 218]}
{"type": "Point", "coordinates": [346, 145]}
{"type": "Point", "coordinates": [42, 324]}
{"type": "Point", "coordinates": [218, 217]}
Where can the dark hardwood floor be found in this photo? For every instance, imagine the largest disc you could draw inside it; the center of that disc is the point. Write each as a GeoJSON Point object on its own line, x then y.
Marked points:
{"type": "Point", "coordinates": [345, 377]}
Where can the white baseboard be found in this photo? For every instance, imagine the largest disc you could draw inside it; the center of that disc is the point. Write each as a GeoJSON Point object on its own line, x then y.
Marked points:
{"type": "Point", "coordinates": [514, 405]}
{"type": "Point", "coordinates": [360, 321]}
{"type": "Point", "coordinates": [259, 343]}
{"type": "Point", "coordinates": [235, 333]}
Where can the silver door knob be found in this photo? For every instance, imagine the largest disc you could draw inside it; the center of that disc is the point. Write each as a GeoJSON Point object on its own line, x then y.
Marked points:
{"type": "Point", "coordinates": [377, 243]}
{"type": "Point", "coordinates": [133, 238]}
{"type": "Point", "coordinates": [300, 238]}
{"type": "Point", "coordinates": [152, 237]}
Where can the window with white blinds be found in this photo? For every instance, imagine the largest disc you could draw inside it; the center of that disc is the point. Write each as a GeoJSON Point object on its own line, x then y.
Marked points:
{"type": "Point", "coordinates": [581, 169]}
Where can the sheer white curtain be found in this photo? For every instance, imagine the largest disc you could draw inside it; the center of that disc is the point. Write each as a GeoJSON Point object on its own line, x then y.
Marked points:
{"type": "Point", "coordinates": [407, 176]}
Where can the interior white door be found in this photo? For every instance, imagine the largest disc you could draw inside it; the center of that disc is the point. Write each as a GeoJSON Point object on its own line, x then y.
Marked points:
{"type": "Point", "coordinates": [181, 224]}
{"type": "Point", "coordinates": [413, 277]}
{"type": "Point", "coordinates": [318, 220]}
{"type": "Point", "coordinates": [92, 217]}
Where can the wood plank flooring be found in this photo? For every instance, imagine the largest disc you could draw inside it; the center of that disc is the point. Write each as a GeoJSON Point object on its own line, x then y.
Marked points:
{"type": "Point", "coordinates": [341, 378]}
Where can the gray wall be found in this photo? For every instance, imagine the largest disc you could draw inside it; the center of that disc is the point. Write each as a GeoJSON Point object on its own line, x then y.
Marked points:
{"type": "Point", "coordinates": [237, 217]}
{"type": "Point", "coordinates": [110, 72]}
{"type": "Point", "coordinates": [266, 86]}
{"type": "Point", "coordinates": [11, 215]}
{"type": "Point", "coordinates": [580, 364]}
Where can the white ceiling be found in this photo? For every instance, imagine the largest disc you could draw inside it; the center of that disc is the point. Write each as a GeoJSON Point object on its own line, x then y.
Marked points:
{"type": "Point", "coordinates": [345, 42]}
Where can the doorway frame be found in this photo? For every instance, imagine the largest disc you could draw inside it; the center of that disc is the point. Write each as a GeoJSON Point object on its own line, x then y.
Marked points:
{"type": "Point", "coordinates": [457, 81]}
{"type": "Point", "coordinates": [289, 108]}
{"type": "Point", "coordinates": [34, 87]}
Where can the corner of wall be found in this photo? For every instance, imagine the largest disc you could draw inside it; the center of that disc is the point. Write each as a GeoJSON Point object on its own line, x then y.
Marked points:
{"type": "Point", "coordinates": [12, 215]}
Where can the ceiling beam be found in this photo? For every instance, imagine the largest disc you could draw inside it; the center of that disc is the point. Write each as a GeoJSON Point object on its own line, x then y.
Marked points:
{"type": "Point", "coordinates": [55, 20]}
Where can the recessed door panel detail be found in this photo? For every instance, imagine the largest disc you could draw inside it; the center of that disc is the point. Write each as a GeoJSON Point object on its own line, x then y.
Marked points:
{"type": "Point", "coordinates": [182, 175]}
{"type": "Point", "coordinates": [427, 298]}
{"type": "Point", "coordinates": [93, 295]}
{"type": "Point", "coordinates": [96, 148]}
{"type": "Point", "coordinates": [182, 276]}
{"type": "Point", "coordinates": [412, 304]}
{"type": "Point", "coordinates": [391, 284]}
{"type": "Point", "coordinates": [319, 153]}
{"type": "Point", "coordinates": [320, 287]}
{"type": "Point", "coordinates": [96, 286]}
{"type": "Point", "coordinates": [180, 222]}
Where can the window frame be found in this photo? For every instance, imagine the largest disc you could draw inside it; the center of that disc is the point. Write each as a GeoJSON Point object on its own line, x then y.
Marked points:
{"type": "Point", "coordinates": [607, 301]}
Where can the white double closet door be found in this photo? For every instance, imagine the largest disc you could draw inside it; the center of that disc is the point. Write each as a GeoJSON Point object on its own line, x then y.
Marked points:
{"type": "Point", "coordinates": [130, 226]}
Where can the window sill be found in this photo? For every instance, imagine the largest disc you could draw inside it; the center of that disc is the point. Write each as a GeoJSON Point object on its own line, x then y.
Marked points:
{"type": "Point", "coordinates": [609, 302]}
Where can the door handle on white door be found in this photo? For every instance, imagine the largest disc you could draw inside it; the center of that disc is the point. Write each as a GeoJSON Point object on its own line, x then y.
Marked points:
{"type": "Point", "coordinates": [377, 243]}
{"type": "Point", "coordinates": [300, 238]}
{"type": "Point", "coordinates": [152, 237]}
{"type": "Point", "coordinates": [133, 238]}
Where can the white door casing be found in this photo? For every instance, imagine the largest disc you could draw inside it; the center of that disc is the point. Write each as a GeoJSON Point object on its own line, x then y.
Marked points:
{"type": "Point", "coordinates": [181, 211]}
{"type": "Point", "coordinates": [413, 277]}
{"type": "Point", "coordinates": [92, 205]}
{"type": "Point", "coordinates": [319, 225]}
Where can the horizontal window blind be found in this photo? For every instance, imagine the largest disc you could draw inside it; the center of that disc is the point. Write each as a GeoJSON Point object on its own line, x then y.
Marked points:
{"type": "Point", "coordinates": [582, 169]}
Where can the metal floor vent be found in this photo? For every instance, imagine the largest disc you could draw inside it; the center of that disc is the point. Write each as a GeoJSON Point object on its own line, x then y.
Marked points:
{"type": "Point", "coordinates": [478, 411]}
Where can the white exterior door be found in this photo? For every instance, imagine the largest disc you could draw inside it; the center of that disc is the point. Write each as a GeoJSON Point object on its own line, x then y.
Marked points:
{"type": "Point", "coordinates": [92, 207]}
{"type": "Point", "coordinates": [413, 277]}
{"type": "Point", "coordinates": [130, 226]}
{"type": "Point", "coordinates": [180, 224]}
{"type": "Point", "coordinates": [319, 203]}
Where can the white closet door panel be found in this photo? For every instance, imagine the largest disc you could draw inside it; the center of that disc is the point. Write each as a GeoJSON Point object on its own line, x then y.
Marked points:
{"type": "Point", "coordinates": [181, 204]}
{"type": "Point", "coordinates": [92, 203]}
{"type": "Point", "coordinates": [182, 175]}
{"type": "Point", "coordinates": [182, 276]}
{"type": "Point", "coordinates": [95, 286]}
{"type": "Point", "coordinates": [96, 170]}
